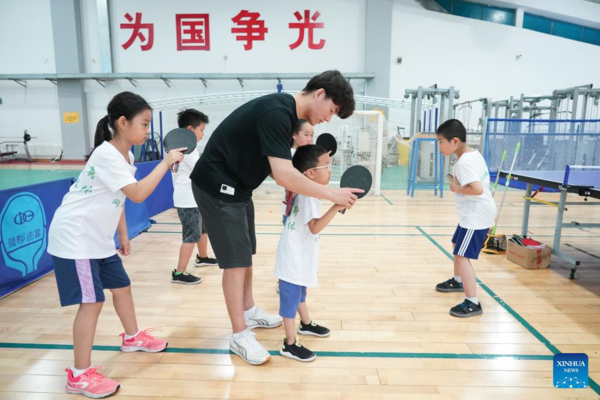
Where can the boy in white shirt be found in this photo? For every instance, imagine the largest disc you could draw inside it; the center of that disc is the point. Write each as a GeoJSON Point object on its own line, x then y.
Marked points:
{"type": "Point", "coordinates": [297, 260]}
{"type": "Point", "coordinates": [193, 229]}
{"type": "Point", "coordinates": [476, 210]}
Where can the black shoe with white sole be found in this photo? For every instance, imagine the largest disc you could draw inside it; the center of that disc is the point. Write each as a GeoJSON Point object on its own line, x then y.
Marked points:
{"type": "Point", "coordinates": [313, 329]}
{"type": "Point", "coordinates": [205, 261]}
{"type": "Point", "coordinates": [296, 352]}
{"type": "Point", "coordinates": [185, 278]}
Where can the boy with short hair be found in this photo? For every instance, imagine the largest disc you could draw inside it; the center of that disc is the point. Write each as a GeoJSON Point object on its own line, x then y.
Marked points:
{"type": "Point", "coordinates": [297, 259]}
{"type": "Point", "coordinates": [476, 210]}
{"type": "Point", "coordinates": [193, 229]}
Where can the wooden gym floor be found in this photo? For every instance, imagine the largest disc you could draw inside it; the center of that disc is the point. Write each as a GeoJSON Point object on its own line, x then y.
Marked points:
{"type": "Point", "coordinates": [392, 336]}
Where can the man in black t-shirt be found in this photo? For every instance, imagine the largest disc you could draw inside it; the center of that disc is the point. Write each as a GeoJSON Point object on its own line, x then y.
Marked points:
{"type": "Point", "coordinates": [252, 143]}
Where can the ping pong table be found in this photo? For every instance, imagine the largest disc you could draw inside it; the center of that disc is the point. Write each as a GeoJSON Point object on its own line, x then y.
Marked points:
{"type": "Point", "coordinates": [583, 181]}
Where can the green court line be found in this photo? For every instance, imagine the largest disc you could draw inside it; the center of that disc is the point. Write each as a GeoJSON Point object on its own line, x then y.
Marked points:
{"type": "Point", "coordinates": [511, 311]}
{"type": "Point", "coordinates": [325, 234]}
{"type": "Point", "coordinates": [385, 226]}
{"type": "Point", "coordinates": [340, 354]}
{"type": "Point", "coordinates": [375, 234]}
{"type": "Point", "coordinates": [386, 199]}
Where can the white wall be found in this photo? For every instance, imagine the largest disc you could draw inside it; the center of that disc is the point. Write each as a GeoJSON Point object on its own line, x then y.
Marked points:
{"type": "Point", "coordinates": [480, 58]}
{"type": "Point", "coordinates": [27, 47]}
{"type": "Point", "coordinates": [343, 34]}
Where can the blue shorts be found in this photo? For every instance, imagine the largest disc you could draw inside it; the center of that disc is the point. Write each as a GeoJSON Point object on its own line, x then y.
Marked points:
{"type": "Point", "coordinates": [469, 242]}
{"type": "Point", "coordinates": [84, 281]}
{"type": "Point", "coordinates": [290, 297]}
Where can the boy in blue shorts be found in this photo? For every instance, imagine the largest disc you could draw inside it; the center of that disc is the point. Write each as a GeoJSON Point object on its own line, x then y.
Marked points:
{"type": "Point", "coordinates": [476, 210]}
{"type": "Point", "coordinates": [297, 259]}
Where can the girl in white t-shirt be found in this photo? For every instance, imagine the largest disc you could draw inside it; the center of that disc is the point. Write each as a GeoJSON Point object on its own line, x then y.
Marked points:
{"type": "Point", "coordinates": [304, 133]}
{"type": "Point", "coordinates": [81, 238]}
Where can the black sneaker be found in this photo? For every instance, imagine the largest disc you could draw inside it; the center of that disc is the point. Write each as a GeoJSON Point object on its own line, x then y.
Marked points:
{"type": "Point", "coordinates": [313, 329]}
{"type": "Point", "coordinates": [297, 352]}
{"type": "Point", "coordinates": [451, 285]}
{"type": "Point", "coordinates": [185, 278]}
{"type": "Point", "coordinates": [466, 309]}
{"type": "Point", "coordinates": [205, 261]}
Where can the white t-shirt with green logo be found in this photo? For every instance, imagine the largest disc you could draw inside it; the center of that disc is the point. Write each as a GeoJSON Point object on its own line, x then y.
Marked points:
{"type": "Point", "coordinates": [297, 259]}
{"type": "Point", "coordinates": [84, 225]}
{"type": "Point", "coordinates": [182, 184]}
{"type": "Point", "coordinates": [475, 212]}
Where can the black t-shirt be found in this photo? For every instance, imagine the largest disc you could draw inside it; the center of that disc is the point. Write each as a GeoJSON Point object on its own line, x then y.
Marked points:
{"type": "Point", "coordinates": [234, 162]}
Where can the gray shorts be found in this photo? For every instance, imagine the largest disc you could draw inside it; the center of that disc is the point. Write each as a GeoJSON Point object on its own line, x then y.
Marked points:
{"type": "Point", "coordinates": [230, 228]}
{"type": "Point", "coordinates": [192, 224]}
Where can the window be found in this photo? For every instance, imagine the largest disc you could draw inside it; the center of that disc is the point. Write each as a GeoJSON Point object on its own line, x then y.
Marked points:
{"type": "Point", "coordinates": [482, 12]}
{"type": "Point", "coordinates": [562, 29]}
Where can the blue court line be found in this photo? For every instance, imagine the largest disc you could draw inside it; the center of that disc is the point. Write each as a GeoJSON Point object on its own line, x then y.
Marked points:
{"type": "Point", "coordinates": [340, 354]}
{"type": "Point", "coordinates": [511, 311]}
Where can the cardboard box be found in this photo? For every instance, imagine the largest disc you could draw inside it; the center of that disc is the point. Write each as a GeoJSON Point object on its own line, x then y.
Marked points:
{"type": "Point", "coordinates": [529, 258]}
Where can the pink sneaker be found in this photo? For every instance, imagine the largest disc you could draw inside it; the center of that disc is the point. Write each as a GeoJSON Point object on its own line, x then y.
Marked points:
{"type": "Point", "coordinates": [91, 384]}
{"type": "Point", "coordinates": [143, 341]}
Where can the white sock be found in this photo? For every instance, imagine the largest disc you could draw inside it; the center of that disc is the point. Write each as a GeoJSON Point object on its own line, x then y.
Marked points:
{"type": "Point", "coordinates": [240, 335]}
{"type": "Point", "coordinates": [457, 278]}
{"type": "Point", "coordinates": [473, 300]}
{"type": "Point", "coordinates": [250, 312]}
{"type": "Point", "coordinates": [129, 337]}
{"type": "Point", "coordinates": [77, 372]}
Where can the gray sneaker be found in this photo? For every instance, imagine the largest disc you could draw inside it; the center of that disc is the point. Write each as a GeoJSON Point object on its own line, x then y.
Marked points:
{"type": "Point", "coordinates": [451, 285]}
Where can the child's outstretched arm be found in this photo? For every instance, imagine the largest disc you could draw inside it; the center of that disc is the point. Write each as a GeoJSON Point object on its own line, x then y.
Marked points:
{"type": "Point", "coordinates": [471, 189]}
{"type": "Point", "coordinates": [316, 225]}
{"type": "Point", "coordinates": [139, 191]}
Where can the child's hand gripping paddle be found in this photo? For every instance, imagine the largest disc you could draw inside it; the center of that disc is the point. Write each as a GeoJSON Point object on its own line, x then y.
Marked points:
{"type": "Point", "coordinates": [178, 138]}
{"type": "Point", "coordinates": [357, 177]}
{"type": "Point", "coordinates": [328, 142]}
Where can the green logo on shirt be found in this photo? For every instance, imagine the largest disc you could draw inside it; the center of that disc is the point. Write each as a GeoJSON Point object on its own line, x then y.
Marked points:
{"type": "Point", "coordinates": [91, 172]}
{"type": "Point", "coordinates": [295, 211]}
{"type": "Point", "coordinates": [292, 226]}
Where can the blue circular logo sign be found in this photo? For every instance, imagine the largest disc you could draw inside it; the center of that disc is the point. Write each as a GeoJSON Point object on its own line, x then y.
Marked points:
{"type": "Point", "coordinates": [23, 232]}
